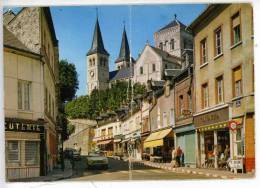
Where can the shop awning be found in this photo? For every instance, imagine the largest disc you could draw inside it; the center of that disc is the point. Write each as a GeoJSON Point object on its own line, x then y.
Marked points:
{"type": "Point", "coordinates": [104, 142]}
{"type": "Point", "coordinates": [117, 140]}
{"type": "Point", "coordinates": [156, 139]}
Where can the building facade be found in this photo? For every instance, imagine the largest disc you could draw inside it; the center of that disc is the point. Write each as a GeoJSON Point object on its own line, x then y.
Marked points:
{"type": "Point", "coordinates": [224, 82]}
{"type": "Point", "coordinates": [31, 69]}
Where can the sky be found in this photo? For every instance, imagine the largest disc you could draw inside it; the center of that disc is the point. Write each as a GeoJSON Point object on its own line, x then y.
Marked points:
{"type": "Point", "coordinates": [74, 27]}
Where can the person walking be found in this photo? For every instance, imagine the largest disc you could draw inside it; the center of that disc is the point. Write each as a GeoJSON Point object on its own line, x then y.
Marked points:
{"type": "Point", "coordinates": [178, 157]}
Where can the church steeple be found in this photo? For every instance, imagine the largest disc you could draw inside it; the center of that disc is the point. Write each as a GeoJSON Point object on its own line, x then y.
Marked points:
{"type": "Point", "coordinates": [97, 42]}
{"type": "Point", "coordinates": [124, 54]}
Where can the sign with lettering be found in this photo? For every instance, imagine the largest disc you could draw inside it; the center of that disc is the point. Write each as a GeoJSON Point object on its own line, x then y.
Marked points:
{"type": "Point", "coordinates": [213, 117]}
{"type": "Point", "coordinates": [23, 127]}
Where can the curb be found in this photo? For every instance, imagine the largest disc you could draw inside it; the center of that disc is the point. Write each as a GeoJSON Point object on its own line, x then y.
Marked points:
{"type": "Point", "coordinates": [188, 171]}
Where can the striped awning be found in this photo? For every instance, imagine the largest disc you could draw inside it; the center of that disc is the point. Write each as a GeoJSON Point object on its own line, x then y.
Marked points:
{"type": "Point", "coordinates": [213, 126]}
{"type": "Point", "coordinates": [104, 142]}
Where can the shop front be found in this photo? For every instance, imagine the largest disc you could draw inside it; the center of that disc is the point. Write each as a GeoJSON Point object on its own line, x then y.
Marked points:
{"type": "Point", "coordinates": [134, 144]}
{"type": "Point", "coordinates": [106, 146]}
{"type": "Point", "coordinates": [118, 146]}
{"type": "Point", "coordinates": [185, 138]}
{"type": "Point", "coordinates": [25, 148]}
{"type": "Point", "coordinates": [213, 138]}
{"type": "Point", "coordinates": [160, 145]}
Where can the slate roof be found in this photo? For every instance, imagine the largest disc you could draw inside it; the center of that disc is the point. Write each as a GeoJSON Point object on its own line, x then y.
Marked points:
{"type": "Point", "coordinates": [121, 74]}
{"type": "Point", "coordinates": [172, 24]}
{"type": "Point", "coordinates": [97, 42]}
{"type": "Point", "coordinates": [165, 55]}
{"type": "Point", "coordinates": [124, 54]}
{"type": "Point", "coordinates": [11, 41]}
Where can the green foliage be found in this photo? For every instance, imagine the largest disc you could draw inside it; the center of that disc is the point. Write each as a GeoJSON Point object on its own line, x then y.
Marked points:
{"type": "Point", "coordinates": [103, 101]}
{"type": "Point", "coordinates": [70, 129]}
{"type": "Point", "coordinates": [68, 80]}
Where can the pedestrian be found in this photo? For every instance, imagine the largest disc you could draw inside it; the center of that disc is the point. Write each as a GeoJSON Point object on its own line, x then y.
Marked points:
{"type": "Point", "coordinates": [182, 158]}
{"type": "Point", "coordinates": [178, 156]}
{"type": "Point", "coordinates": [174, 155]}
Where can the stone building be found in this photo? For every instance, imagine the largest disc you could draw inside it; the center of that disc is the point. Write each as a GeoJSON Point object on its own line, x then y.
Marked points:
{"type": "Point", "coordinates": [99, 76]}
{"type": "Point", "coordinates": [224, 84]}
{"type": "Point", "coordinates": [30, 74]}
{"type": "Point", "coordinates": [152, 64]}
{"type": "Point", "coordinates": [174, 38]}
{"type": "Point", "coordinates": [82, 137]}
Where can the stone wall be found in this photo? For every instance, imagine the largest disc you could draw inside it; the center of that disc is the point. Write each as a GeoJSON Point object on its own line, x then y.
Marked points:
{"type": "Point", "coordinates": [26, 27]}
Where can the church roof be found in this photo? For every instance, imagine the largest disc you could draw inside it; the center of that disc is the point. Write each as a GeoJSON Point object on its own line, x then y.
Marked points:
{"type": "Point", "coordinates": [97, 42]}
{"type": "Point", "coordinates": [172, 24]}
{"type": "Point", "coordinates": [121, 74]}
{"type": "Point", "coordinates": [165, 55]}
{"type": "Point", "coordinates": [124, 54]}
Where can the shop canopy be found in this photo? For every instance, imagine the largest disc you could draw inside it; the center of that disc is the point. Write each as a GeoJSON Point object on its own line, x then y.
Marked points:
{"type": "Point", "coordinates": [156, 139]}
{"type": "Point", "coordinates": [104, 142]}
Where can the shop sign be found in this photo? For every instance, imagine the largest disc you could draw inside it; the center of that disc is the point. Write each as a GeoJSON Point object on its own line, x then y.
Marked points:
{"type": "Point", "coordinates": [210, 118]}
{"type": "Point", "coordinates": [23, 127]}
{"type": "Point", "coordinates": [232, 125]}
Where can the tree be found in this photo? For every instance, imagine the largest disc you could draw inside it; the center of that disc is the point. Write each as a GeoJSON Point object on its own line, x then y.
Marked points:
{"type": "Point", "coordinates": [68, 80]}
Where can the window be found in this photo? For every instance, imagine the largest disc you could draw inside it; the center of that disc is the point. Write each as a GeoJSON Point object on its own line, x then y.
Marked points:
{"type": "Point", "coordinates": [181, 105]}
{"type": "Point", "coordinates": [166, 44]}
{"type": "Point", "coordinates": [203, 51]}
{"type": "Point", "coordinates": [237, 82]}
{"type": "Point", "coordinates": [24, 95]}
{"type": "Point", "coordinates": [164, 119]}
{"type": "Point", "coordinates": [166, 66]}
{"type": "Point", "coordinates": [13, 154]}
{"type": "Point", "coordinates": [161, 46]}
{"type": "Point", "coordinates": [93, 62]}
{"type": "Point", "coordinates": [90, 62]}
{"type": "Point", "coordinates": [141, 70]}
{"type": "Point", "coordinates": [205, 95]}
{"type": "Point", "coordinates": [31, 152]}
{"type": "Point", "coordinates": [110, 131]}
{"type": "Point", "coordinates": [218, 41]}
{"type": "Point", "coordinates": [172, 117]}
{"type": "Point", "coordinates": [219, 89]}
{"type": "Point", "coordinates": [189, 101]}
{"type": "Point", "coordinates": [236, 34]}
{"type": "Point", "coordinates": [103, 132]}
{"type": "Point", "coordinates": [154, 68]}
{"type": "Point", "coordinates": [238, 142]}
{"type": "Point", "coordinates": [172, 44]}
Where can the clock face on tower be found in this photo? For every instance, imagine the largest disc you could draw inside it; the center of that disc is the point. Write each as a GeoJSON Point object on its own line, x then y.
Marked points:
{"type": "Point", "coordinates": [92, 74]}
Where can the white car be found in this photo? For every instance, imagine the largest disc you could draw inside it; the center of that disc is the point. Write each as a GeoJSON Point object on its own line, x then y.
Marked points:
{"type": "Point", "coordinates": [96, 160]}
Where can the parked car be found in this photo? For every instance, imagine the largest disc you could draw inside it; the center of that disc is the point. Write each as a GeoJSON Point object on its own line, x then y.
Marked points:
{"type": "Point", "coordinates": [96, 160]}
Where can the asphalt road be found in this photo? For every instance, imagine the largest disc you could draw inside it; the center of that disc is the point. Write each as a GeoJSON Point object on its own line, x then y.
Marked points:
{"type": "Point", "coordinates": [119, 170]}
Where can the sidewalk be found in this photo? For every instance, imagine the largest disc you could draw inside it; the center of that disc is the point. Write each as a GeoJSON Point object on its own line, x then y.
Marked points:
{"type": "Point", "coordinates": [214, 173]}
{"type": "Point", "coordinates": [55, 175]}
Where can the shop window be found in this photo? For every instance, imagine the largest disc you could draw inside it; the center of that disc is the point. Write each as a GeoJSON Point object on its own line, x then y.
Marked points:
{"type": "Point", "coordinates": [203, 51]}
{"type": "Point", "coordinates": [31, 152]}
{"type": "Point", "coordinates": [237, 82]}
{"type": "Point", "coordinates": [218, 41]}
{"type": "Point", "coordinates": [205, 96]}
{"type": "Point", "coordinates": [24, 95]}
{"type": "Point", "coordinates": [236, 33]}
{"type": "Point", "coordinates": [13, 151]}
{"type": "Point", "coordinates": [219, 89]}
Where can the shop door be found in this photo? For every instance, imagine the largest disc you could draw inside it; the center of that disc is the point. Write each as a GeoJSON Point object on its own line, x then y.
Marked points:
{"type": "Point", "coordinates": [189, 152]}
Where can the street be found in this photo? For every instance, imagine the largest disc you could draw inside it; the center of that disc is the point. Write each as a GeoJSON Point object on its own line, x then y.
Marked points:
{"type": "Point", "coordinates": [119, 170]}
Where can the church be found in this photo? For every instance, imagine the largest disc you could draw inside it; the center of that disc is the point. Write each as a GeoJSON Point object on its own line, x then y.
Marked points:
{"type": "Point", "coordinates": [173, 47]}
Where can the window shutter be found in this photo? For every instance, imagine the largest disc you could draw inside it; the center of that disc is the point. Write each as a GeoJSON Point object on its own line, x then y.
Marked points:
{"type": "Point", "coordinates": [236, 21]}
{"type": "Point", "coordinates": [237, 74]}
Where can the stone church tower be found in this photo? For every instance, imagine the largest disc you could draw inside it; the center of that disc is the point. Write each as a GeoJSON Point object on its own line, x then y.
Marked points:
{"type": "Point", "coordinates": [97, 63]}
{"type": "Point", "coordinates": [123, 60]}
